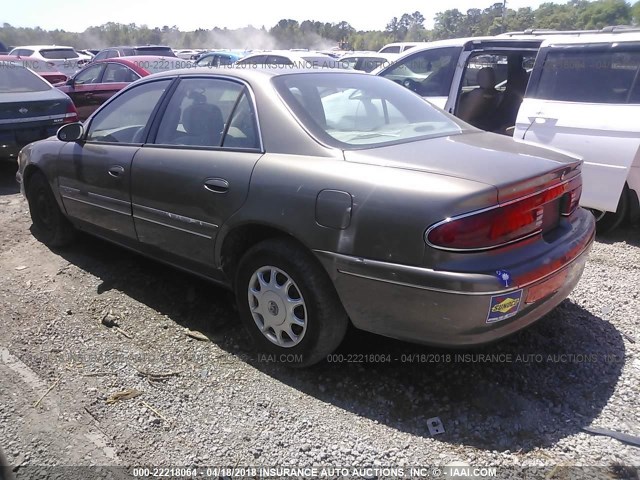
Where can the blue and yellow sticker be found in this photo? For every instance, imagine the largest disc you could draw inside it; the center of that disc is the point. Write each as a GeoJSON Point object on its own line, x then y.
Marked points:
{"type": "Point", "coordinates": [504, 306]}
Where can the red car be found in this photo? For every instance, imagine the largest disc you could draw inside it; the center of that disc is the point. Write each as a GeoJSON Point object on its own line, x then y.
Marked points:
{"type": "Point", "coordinates": [46, 70]}
{"type": "Point", "coordinates": [100, 80]}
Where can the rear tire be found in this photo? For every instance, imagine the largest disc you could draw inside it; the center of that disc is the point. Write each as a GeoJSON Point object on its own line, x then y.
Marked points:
{"type": "Point", "coordinates": [288, 303]}
{"type": "Point", "coordinates": [609, 221]}
{"type": "Point", "coordinates": [51, 226]}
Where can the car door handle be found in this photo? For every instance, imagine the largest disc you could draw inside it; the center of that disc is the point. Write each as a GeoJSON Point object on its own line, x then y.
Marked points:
{"type": "Point", "coordinates": [116, 171]}
{"type": "Point", "coordinates": [216, 185]}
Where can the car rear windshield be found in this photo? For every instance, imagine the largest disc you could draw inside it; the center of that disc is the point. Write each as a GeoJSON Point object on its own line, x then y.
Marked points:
{"type": "Point", "coordinates": [591, 76]}
{"type": "Point", "coordinates": [15, 79]}
{"type": "Point", "coordinates": [353, 111]}
{"type": "Point", "coordinates": [58, 53]}
{"type": "Point", "coordinates": [162, 51]}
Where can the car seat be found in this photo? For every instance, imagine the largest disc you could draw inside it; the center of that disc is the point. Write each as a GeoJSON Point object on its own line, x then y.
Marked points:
{"type": "Point", "coordinates": [477, 105]}
{"type": "Point", "coordinates": [203, 125]}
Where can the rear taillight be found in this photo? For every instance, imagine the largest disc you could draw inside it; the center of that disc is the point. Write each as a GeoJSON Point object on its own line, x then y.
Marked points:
{"type": "Point", "coordinates": [504, 223]}
{"type": "Point", "coordinates": [72, 114]}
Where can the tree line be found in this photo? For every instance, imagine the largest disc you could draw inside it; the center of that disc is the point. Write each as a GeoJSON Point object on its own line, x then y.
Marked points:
{"type": "Point", "coordinates": [287, 33]}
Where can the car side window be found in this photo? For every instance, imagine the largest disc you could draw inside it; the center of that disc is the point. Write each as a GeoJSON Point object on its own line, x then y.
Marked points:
{"type": "Point", "coordinates": [257, 60]}
{"type": "Point", "coordinates": [101, 55]}
{"type": "Point", "coordinates": [198, 111]}
{"type": "Point", "coordinates": [242, 131]}
{"type": "Point", "coordinates": [124, 119]}
{"type": "Point", "coordinates": [113, 54]}
{"type": "Point", "coordinates": [586, 75]}
{"type": "Point", "coordinates": [89, 75]}
{"type": "Point", "coordinates": [206, 62]}
{"type": "Point", "coordinates": [278, 60]}
{"type": "Point", "coordinates": [118, 73]}
{"type": "Point", "coordinates": [392, 49]}
{"type": "Point", "coordinates": [428, 73]}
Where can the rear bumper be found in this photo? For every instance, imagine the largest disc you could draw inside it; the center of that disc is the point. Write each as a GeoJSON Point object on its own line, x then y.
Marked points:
{"type": "Point", "coordinates": [14, 138]}
{"type": "Point", "coordinates": [452, 309]}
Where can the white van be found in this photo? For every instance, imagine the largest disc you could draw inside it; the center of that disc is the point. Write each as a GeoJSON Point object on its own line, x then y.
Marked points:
{"type": "Point", "coordinates": [483, 80]}
{"type": "Point", "coordinates": [584, 97]}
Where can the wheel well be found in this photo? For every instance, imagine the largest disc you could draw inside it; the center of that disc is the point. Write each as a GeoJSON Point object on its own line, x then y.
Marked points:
{"type": "Point", "coordinates": [241, 239]}
{"type": "Point", "coordinates": [634, 205]}
{"type": "Point", "coordinates": [29, 171]}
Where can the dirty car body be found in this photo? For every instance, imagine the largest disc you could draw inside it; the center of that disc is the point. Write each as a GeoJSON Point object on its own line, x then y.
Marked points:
{"type": "Point", "coordinates": [308, 190]}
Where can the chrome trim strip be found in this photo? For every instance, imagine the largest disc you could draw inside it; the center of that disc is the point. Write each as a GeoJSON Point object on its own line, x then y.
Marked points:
{"type": "Point", "coordinates": [458, 292]}
{"type": "Point", "coordinates": [75, 199]}
{"type": "Point", "coordinates": [60, 116]}
{"type": "Point", "coordinates": [73, 193]}
{"type": "Point", "coordinates": [174, 216]}
{"type": "Point", "coordinates": [137, 217]}
{"type": "Point", "coordinates": [484, 210]}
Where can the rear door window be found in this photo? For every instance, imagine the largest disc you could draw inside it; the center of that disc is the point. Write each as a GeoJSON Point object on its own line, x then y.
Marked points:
{"type": "Point", "coordinates": [589, 76]}
{"type": "Point", "coordinates": [200, 109]}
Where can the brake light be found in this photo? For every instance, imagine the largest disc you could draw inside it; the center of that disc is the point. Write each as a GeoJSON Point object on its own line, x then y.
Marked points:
{"type": "Point", "coordinates": [72, 114]}
{"type": "Point", "coordinates": [504, 223]}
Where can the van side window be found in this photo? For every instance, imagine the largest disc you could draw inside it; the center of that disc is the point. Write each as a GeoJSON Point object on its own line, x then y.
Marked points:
{"type": "Point", "coordinates": [589, 76]}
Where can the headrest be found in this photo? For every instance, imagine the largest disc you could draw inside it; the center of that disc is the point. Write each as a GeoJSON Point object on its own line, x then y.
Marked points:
{"type": "Point", "coordinates": [486, 77]}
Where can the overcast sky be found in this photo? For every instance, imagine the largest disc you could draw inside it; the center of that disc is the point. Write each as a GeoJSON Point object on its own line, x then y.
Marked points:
{"type": "Point", "coordinates": [76, 15]}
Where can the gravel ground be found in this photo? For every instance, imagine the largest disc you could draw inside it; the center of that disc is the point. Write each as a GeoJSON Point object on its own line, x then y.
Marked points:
{"type": "Point", "coordinates": [522, 402]}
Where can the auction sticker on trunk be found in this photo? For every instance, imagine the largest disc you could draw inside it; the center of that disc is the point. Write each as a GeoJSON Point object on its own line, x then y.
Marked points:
{"type": "Point", "coordinates": [504, 306]}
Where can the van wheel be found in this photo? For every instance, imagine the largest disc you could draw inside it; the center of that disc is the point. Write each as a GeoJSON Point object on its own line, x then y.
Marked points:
{"type": "Point", "coordinates": [607, 222]}
{"type": "Point", "coordinates": [51, 226]}
{"type": "Point", "coordinates": [288, 303]}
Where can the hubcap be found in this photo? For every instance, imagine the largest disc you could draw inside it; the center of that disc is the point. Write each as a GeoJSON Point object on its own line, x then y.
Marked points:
{"type": "Point", "coordinates": [277, 306]}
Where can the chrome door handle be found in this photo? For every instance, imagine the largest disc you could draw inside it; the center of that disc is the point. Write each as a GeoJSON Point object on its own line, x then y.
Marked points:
{"type": "Point", "coordinates": [216, 185]}
{"type": "Point", "coordinates": [116, 171]}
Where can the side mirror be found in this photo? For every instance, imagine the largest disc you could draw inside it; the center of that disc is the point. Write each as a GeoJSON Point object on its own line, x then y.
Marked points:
{"type": "Point", "coordinates": [70, 81]}
{"type": "Point", "coordinates": [72, 132]}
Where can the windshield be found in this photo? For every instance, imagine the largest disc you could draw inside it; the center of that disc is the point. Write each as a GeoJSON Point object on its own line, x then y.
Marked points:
{"type": "Point", "coordinates": [15, 79]}
{"type": "Point", "coordinates": [353, 111]}
{"type": "Point", "coordinates": [58, 53]}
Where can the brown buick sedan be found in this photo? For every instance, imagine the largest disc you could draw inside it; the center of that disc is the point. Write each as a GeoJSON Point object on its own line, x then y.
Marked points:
{"type": "Point", "coordinates": [321, 198]}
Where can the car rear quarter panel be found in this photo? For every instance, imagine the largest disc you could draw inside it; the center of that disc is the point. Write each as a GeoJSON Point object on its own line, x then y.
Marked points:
{"type": "Point", "coordinates": [391, 208]}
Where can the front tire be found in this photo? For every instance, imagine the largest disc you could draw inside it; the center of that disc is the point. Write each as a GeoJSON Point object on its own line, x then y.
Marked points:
{"type": "Point", "coordinates": [51, 226]}
{"type": "Point", "coordinates": [288, 303]}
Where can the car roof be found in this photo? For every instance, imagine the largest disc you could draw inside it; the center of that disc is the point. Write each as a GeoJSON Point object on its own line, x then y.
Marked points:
{"type": "Point", "coordinates": [39, 47]}
{"type": "Point", "coordinates": [249, 74]}
{"type": "Point", "coordinates": [289, 53]}
{"type": "Point", "coordinates": [388, 56]}
{"type": "Point", "coordinates": [138, 58]}
{"type": "Point", "coordinates": [592, 38]}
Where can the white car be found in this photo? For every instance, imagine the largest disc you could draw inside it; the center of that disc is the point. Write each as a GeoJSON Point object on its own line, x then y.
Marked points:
{"type": "Point", "coordinates": [584, 97]}
{"type": "Point", "coordinates": [288, 58]}
{"type": "Point", "coordinates": [399, 47]}
{"type": "Point", "coordinates": [367, 61]}
{"type": "Point", "coordinates": [65, 59]}
{"type": "Point", "coordinates": [483, 81]}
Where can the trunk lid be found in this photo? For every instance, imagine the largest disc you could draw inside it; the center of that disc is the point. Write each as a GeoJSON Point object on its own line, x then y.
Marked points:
{"type": "Point", "coordinates": [515, 169]}
{"type": "Point", "coordinates": [34, 107]}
